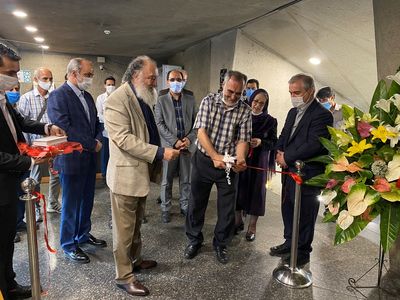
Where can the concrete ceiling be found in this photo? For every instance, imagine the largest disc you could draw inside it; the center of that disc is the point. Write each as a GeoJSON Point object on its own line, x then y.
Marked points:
{"type": "Point", "coordinates": [339, 32]}
{"type": "Point", "coordinates": [157, 28]}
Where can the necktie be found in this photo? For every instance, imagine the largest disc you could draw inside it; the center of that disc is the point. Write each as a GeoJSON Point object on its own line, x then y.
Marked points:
{"type": "Point", "coordinates": [85, 105]}
{"type": "Point", "coordinates": [8, 118]}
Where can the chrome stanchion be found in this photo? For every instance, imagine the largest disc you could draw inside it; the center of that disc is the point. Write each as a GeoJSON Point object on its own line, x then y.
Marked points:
{"type": "Point", "coordinates": [291, 275]}
{"type": "Point", "coordinates": [28, 186]}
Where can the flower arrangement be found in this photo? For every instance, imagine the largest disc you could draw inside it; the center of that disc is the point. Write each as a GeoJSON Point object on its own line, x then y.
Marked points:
{"type": "Point", "coordinates": [362, 175]}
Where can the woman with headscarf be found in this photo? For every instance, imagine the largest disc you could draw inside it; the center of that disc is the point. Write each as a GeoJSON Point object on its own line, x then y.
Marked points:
{"type": "Point", "coordinates": [251, 191]}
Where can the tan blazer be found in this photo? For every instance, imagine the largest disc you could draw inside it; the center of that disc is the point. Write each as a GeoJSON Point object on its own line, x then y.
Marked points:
{"type": "Point", "coordinates": [130, 153]}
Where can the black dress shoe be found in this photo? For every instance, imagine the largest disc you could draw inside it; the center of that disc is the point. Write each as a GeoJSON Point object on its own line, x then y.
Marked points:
{"type": "Point", "coordinates": [302, 260]}
{"type": "Point", "coordinates": [20, 292]}
{"type": "Point", "coordinates": [280, 250]}
{"type": "Point", "coordinates": [250, 236]}
{"type": "Point", "coordinates": [96, 242]}
{"type": "Point", "coordinates": [134, 288]}
{"type": "Point", "coordinates": [222, 254]}
{"type": "Point", "coordinates": [191, 251]}
{"type": "Point", "coordinates": [77, 256]}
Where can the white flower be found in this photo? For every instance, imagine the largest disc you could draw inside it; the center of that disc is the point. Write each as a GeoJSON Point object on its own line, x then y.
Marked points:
{"type": "Point", "coordinates": [327, 196]}
{"type": "Point", "coordinates": [395, 136]}
{"type": "Point", "coordinates": [396, 100]}
{"type": "Point", "coordinates": [395, 77]}
{"type": "Point", "coordinates": [393, 172]}
{"type": "Point", "coordinates": [344, 219]}
{"type": "Point", "coordinates": [384, 105]}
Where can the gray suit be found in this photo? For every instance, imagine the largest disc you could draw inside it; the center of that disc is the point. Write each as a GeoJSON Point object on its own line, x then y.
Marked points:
{"type": "Point", "coordinates": [167, 127]}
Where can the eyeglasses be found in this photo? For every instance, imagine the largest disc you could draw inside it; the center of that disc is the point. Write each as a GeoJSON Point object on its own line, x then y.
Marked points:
{"type": "Point", "coordinates": [175, 79]}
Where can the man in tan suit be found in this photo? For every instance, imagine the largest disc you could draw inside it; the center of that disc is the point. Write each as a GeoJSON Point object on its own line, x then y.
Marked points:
{"type": "Point", "coordinates": [135, 152]}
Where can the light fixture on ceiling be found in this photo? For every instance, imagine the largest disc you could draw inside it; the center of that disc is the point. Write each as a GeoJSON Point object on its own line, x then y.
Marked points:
{"type": "Point", "coordinates": [39, 39]}
{"type": "Point", "coordinates": [44, 47]}
{"type": "Point", "coordinates": [314, 60]}
{"type": "Point", "coordinates": [31, 28]}
{"type": "Point", "coordinates": [20, 14]}
{"type": "Point", "coordinates": [107, 32]}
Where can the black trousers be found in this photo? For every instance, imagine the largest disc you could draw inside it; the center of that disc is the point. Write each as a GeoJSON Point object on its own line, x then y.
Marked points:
{"type": "Point", "coordinates": [8, 224]}
{"type": "Point", "coordinates": [308, 213]}
{"type": "Point", "coordinates": [204, 175]}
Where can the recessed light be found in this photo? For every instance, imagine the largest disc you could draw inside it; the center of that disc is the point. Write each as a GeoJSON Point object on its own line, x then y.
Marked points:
{"type": "Point", "coordinates": [20, 14]}
{"type": "Point", "coordinates": [45, 47]}
{"type": "Point", "coordinates": [31, 28]}
{"type": "Point", "coordinates": [314, 60]}
{"type": "Point", "coordinates": [39, 39]}
{"type": "Point", "coordinates": [107, 32]}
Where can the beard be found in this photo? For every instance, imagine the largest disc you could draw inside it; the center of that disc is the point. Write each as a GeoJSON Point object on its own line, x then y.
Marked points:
{"type": "Point", "coordinates": [147, 94]}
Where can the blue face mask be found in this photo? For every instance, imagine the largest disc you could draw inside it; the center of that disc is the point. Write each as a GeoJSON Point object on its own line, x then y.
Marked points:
{"type": "Point", "coordinates": [12, 97]}
{"type": "Point", "coordinates": [249, 92]}
{"type": "Point", "coordinates": [327, 105]}
{"type": "Point", "coordinates": [176, 87]}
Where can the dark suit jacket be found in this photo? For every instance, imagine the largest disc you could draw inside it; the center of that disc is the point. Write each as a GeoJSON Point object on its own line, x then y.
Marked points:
{"type": "Point", "coordinates": [12, 165]}
{"type": "Point", "coordinates": [304, 143]}
{"type": "Point", "coordinates": [66, 111]}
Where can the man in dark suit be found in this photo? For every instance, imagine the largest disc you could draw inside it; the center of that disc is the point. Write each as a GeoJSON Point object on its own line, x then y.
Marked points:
{"type": "Point", "coordinates": [299, 140]}
{"type": "Point", "coordinates": [73, 109]}
{"type": "Point", "coordinates": [12, 166]}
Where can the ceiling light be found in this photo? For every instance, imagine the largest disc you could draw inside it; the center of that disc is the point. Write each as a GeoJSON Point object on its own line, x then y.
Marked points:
{"type": "Point", "coordinates": [107, 32]}
{"type": "Point", "coordinates": [20, 14]}
{"type": "Point", "coordinates": [31, 28]}
{"type": "Point", "coordinates": [45, 47]}
{"type": "Point", "coordinates": [314, 60]}
{"type": "Point", "coordinates": [39, 39]}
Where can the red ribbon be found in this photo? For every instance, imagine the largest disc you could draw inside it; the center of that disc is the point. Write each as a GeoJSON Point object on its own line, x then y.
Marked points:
{"type": "Point", "coordinates": [46, 230]}
{"type": "Point", "coordinates": [296, 177]}
{"type": "Point", "coordinates": [49, 151]}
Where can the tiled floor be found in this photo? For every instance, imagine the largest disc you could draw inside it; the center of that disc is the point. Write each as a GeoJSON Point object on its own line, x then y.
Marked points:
{"type": "Point", "coordinates": [248, 275]}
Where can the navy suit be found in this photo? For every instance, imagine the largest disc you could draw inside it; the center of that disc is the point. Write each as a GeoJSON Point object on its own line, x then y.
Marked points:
{"type": "Point", "coordinates": [303, 144]}
{"type": "Point", "coordinates": [77, 170]}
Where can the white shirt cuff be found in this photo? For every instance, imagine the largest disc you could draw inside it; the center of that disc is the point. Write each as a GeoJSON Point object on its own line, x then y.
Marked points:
{"type": "Point", "coordinates": [32, 164]}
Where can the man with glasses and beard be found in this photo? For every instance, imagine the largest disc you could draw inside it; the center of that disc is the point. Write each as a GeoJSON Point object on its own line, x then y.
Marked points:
{"type": "Point", "coordinates": [135, 156]}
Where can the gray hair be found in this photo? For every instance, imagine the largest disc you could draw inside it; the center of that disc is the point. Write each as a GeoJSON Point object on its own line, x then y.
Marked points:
{"type": "Point", "coordinates": [74, 65]}
{"type": "Point", "coordinates": [236, 75]}
{"type": "Point", "coordinates": [36, 73]}
{"type": "Point", "coordinates": [136, 66]}
{"type": "Point", "coordinates": [308, 81]}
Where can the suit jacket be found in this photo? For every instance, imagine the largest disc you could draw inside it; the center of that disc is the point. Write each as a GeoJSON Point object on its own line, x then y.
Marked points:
{"type": "Point", "coordinates": [12, 165]}
{"type": "Point", "coordinates": [67, 112]}
{"type": "Point", "coordinates": [304, 143]}
{"type": "Point", "coordinates": [166, 119]}
{"type": "Point", "coordinates": [131, 155]}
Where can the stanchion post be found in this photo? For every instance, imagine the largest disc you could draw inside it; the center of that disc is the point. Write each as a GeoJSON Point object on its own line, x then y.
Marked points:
{"type": "Point", "coordinates": [28, 186]}
{"type": "Point", "coordinates": [291, 275]}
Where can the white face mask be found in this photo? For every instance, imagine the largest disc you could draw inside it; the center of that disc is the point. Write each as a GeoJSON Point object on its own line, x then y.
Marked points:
{"type": "Point", "coordinates": [44, 85]}
{"type": "Point", "coordinates": [85, 84]}
{"type": "Point", "coordinates": [7, 82]}
{"type": "Point", "coordinates": [110, 89]}
{"type": "Point", "coordinates": [297, 101]}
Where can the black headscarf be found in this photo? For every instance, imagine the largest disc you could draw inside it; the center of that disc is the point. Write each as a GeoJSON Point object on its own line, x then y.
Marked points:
{"type": "Point", "coordinates": [260, 91]}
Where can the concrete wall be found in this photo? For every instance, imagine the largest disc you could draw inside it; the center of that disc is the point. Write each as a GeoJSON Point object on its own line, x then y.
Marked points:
{"type": "Point", "coordinates": [57, 63]}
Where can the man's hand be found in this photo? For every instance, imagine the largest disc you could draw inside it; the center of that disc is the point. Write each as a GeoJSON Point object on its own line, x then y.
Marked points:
{"type": "Point", "coordinates": [240, 165]}
{"type": "Point", "coordinates": [186, 143]}
{"type": "Point", "coordinates": [178, 144]}
{"type": "Point", "coordinates": [218, 161]}
{"type": "Point", "coordinates": [99, 145]}
{"type": "Point", "coordinates": [55, 130]}
{"type": "Point", "coordinates": [41, 160]}
{"type": "Point", "coordinates": [255, 142]}
{"type": "Point", "coordinates": [280, 159]}
{"type": "Point", "coordinates": [170, 154]}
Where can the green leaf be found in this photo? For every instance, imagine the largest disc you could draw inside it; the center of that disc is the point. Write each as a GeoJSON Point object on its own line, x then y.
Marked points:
{"type": "Point", "coordinates": [386, 152]}
{"type": "Point", "coordinates": [359, 113]}
{"type": "Point", "coordinates": [326, 159]}
{"type": "Point", "coordinates": [393, 89]}
{"type": "Point", "coordinates": [330, 146]}
{"type": "Point", "coordinates": [351, 232]}
{"type": "Point", "coordinates": [380, 93]}
{"type": "Point", "coordinates": [347, 111]}
{"type": "Point", "coordinates": [366, 160]}
{"type": "Point", "coordinates": [390, 224]}
{"type": "Point", "coordinates": [319, 181]}
{"type": "Point", "coordinates": [329, 217]}
{"type": "Point", "coordinates": [366, 173]}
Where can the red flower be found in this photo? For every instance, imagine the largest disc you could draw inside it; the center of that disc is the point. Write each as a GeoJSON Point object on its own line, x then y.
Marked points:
{"type": "Point", "coordinates": [331, 183]}
{"type": "Point", "coordinates": [381, 185]}
{"type": "Point", "coordinates": [398, 183]}
{"type": "Point", "coordinates": [364, 129]}
{"type": "Point", "coordinates": [346, 187]}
